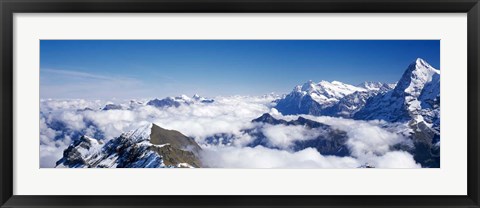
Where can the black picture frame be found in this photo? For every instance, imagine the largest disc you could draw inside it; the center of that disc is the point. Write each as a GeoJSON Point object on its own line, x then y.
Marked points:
{"type": "Point", "coordinates": [9, 7]}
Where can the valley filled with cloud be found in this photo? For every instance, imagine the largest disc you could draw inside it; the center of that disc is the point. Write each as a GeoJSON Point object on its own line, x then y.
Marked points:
{"type": "Point", "coordinates": [370, 142]}
{"type": "Point", "coordinates": [266, 104]}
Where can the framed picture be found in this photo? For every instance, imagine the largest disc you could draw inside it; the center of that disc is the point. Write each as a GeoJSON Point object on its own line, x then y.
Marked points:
{"type": "Point", "coordinates": [239, 103]}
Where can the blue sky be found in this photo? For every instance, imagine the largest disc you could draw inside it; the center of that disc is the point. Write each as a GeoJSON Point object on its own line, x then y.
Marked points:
{"type": "Point", "coordinates": [124, 69]}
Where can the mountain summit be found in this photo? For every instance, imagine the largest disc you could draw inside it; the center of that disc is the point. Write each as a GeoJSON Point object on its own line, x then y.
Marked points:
{"type": "Point", "coordinates": [314, 98]}
{"type": "Point", "coordinates": [416, 100]}
{"type": "Point", "coordinates": [149, 146]}
{"type": "Point", "coordinates": [417, 91]}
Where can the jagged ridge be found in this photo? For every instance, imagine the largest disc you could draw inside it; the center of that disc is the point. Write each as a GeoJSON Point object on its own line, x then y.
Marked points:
{"type": "Point", "coordinates": [147, 147]}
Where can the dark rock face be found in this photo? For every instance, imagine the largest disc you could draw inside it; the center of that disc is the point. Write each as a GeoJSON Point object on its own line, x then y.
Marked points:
{"type": "Point", "coordinates": [71, 156]}
{"type": "Point", "coordinates": [329, 142]}
{"type": "Point", "coordinates": [332, 143]}
{"type": "Point", "coordinates": [350, 104]}
{"type": "Point", "coordinates": [220, 139]}
{"type": "Point", "coordinates": [266, 118]}
{"type": "Point", "coordinates": [207, 101]}
{"type": "Point", "coordinates": [178, 101]}
{"type": "Point", "coordinates": [269, 119]}
{"type": "Point", "coordinates": [389, 107]}
{"type": "Point", "coordinates": [112, 107]}
{"type": "Point", "coordinates": [308, 123]}
{"type": "Point", "coordinates": [426, 151]}
{"type": "Point", "coordinates": [166, 102]}
{"type": "Point", "coordinates": [130, 154]}
{"type": "Point", "coordinates": [85, 109]}
{"type": "Point", "coordinates": [147, 147]}
{"type": "Point", "coordinates": [172, 156]}
{"type": "Point", "coordinates": [420, 83]}
{"type": "Point", "coordinates": [416, 100]}
{"type": "Point", "coordinates": [297, 103]}
{"type": "Point", "coordinates": [176, 139]}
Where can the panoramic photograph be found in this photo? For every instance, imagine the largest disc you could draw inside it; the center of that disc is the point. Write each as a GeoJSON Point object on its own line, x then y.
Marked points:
{"type": "Point", "coordinates": [285, 104]}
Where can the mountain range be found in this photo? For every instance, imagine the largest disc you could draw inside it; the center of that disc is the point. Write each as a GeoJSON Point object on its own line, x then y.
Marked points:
{"type": "Point", "coordinates": [177, 101]}
{"type": "Point", "coordinates": [149, 146]}
{"type": "Point", "coordinates": [329, 98]}
{"type": "Point", "coordinates": [415, 96]}
{"type": "Point", "coordinates": [414, 100]}
{"type": "Point", "coordinates": [159, 103]}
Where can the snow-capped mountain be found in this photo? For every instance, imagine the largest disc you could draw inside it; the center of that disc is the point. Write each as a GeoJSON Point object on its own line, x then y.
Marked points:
{"type": "Point", "coordinates": [165, 102]}
{"type": "Point", "coordinates": [112, 106]}
{"type": "Point", "coordinates": [321, 98]}
{"type": "Point", "coordinates": [416, 96]}
{"type": "Point", "coordinates": [416, 100]}
{"type": "Point", "coordinates": [149, 146]}
{"type": "Point", "coordinates": [350, 104]}
{"type": "Point", "coordinates": [177, 101]}
{"type": "Point", "coordinates": [413, 102]}
{"type": "Point", "coordinates": [347, 106]}
{"type": "Point", "coordinates": [325, 92]}
{"type": "Point", "coordinates": [376, 86]}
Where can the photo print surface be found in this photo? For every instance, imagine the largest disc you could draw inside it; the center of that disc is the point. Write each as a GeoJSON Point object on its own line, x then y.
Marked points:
{"type": "Point", "coordinates": [239, 104]}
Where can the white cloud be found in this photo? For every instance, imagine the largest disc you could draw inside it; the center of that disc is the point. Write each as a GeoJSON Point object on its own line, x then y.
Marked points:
{"type": "Point", "coordinates": [59, 83]}
{"type": "Point", "coordinates": [396, 159]}
{"type": "Point", "coordinates": [50, 149]}
{"type": "Point", "coordinates": [261, 157]}
{"type": "Point", "coordinates": [76, 74]}
{"type": "Point", "coordinates": [370, 142]}
{"type": "Point", "coordinates": [200, 120]}
{"type": "Point", "coordinates": [367, 139]}
{"type": "Point", "coordinates": [283, 136]}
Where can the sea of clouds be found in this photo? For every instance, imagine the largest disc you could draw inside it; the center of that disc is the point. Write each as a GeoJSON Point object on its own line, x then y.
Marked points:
{"type": "Point", "coordinates": [62, 121]}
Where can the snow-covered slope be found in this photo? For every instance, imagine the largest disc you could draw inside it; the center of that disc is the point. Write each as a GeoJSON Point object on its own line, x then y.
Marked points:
{"type": "Point", "coordinates": [315, 98]}
{"type": "Point", "coordinates": [416, 96]}
{"type": "Point", "coordinates": [138, 148]}
{"type": "Point", "coordinates": [350, 104]}
{"type": "Point", "coordinates": [376, 86]}
{"type": "Point", "coordinates": [325, 92]}
{"type": "Point", "coordinates": [416, 100]}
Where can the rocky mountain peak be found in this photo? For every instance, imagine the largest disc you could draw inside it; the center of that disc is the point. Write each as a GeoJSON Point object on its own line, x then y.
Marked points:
{"type": "Point", "coordinates": [415, 77]}
{"type": "Point", "coordinates": [148, 146]}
